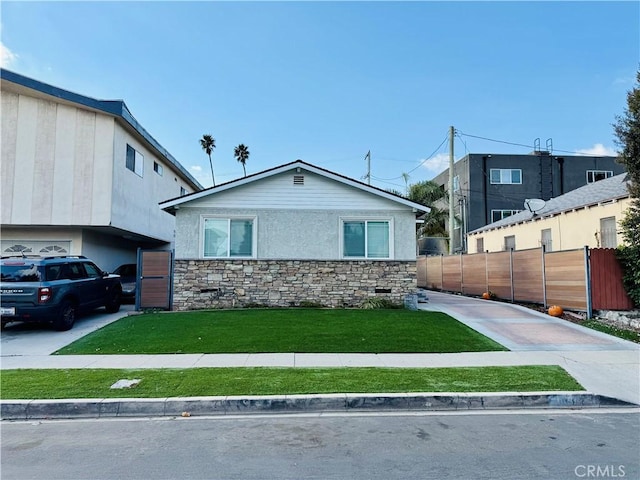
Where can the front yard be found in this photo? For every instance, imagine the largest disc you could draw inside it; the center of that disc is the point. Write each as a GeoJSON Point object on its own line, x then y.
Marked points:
{"type": "Point", "coordinates": [281, 331]}
{"type": "Point", "coordinates": [284, 331]}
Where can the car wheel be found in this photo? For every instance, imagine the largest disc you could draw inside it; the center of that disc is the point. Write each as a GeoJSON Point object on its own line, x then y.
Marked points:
{"type": "Point", "coordinates": [114, 302]}
{"type": "Point", "coordinates": [66, 317]}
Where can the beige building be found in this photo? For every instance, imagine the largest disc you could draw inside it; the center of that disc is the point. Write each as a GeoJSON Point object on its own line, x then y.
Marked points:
{"type": "Point", "coordinates": [587, 216]}
{"type": "Point", "coordinates": [81, 176]}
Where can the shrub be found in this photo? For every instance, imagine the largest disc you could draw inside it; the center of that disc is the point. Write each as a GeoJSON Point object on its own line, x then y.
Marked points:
{"type": "Point", "coordinates": [378, 303]}
{"type": "Point", "coordinates": [630, 259]}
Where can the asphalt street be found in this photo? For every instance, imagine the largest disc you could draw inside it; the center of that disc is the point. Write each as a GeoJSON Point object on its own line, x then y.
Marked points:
{"type": "Point", "coordinates": [501, 445]}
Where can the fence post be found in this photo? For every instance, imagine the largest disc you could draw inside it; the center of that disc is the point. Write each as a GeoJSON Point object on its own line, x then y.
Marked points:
{"type": "Point", "coordinates": [461, 275]}
{"type": "Point", "coordinates": [441, 272]}
{"type": "Point", "coordinates": [511, 273]}
{"type": "Point", "coordinates": [544, 277]}
{"type": "Point", "coordinates": [486, 270]}
{"type": "Point", "coordinates": [587, 274]}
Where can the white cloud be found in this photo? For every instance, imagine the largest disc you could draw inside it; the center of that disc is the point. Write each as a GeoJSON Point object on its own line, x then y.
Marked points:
{"type": "Point", "coordinates": [204, 178]}
{"type": "Point", "coordinates": [599, 149]}
{"type": "Point", "coordinates": [7, 57]}
{"type": "Point", "coordinates": [436, 164]}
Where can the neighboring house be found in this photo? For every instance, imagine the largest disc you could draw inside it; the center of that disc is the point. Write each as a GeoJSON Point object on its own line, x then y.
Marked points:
{"type": "Point", "coordinates": [290, 235]}
{"type": "Point", "coordinates": [81, 176]}
{"type": "Point", "coordinates": [587, 216]}
{"type": "Point", "coordinates": [491, 187]}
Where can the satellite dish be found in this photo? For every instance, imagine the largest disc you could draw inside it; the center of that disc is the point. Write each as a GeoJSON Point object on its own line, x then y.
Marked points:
{"type": "Point", "coordinates": [534, 204]}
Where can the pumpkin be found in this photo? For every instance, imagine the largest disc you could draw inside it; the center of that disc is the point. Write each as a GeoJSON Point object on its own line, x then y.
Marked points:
{"type": "Point", "coordinates": [555, 310]}
{"type": "Point", "coordinates": [486, 296]}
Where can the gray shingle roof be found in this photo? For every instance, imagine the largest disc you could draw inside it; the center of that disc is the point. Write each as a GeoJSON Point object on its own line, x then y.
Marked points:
{"type": "Point", "coordinates": [592, 194]}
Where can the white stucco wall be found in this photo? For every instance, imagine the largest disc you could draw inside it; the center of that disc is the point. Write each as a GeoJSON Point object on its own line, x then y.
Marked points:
{"type": "Point", "coordinates": [56, 163]}
{"type": "Point", "coordinates": [135, 198]}
{"type": "Point", "coordinates": [294, 234]}
{"type": "Point", "coordinates": [569, 230]}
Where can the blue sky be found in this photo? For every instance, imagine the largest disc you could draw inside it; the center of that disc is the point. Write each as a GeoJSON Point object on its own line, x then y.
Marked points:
{"type": "Point", "coordinates": [326, 82]}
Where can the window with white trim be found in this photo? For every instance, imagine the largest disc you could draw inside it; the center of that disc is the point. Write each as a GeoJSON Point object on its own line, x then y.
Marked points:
{"type": "Point", "coordinates": [509, 243]}
{"type": "Point", "coordinates": [228, 237]}
{"type": "Point", "coordinates": [595, 175]}
{"type": "Point", "coordinates": [608, 237]}
{"type": "Point", "coordinates": [157, 168]}
{"type": "Point", "coordinates": [135, 160]}
{"type": "Point", "coordinates": [366, 239]}
{"type": "Point", "coordinates": [506, 176]}
{"type": "Point", "coordinates": [500, 214]}
{"type": "Point", "coordinates": [456, 183]}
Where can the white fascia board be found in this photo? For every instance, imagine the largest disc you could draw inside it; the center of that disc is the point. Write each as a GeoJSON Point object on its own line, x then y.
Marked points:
{"type": "Point", "coordinates": [176, 202]}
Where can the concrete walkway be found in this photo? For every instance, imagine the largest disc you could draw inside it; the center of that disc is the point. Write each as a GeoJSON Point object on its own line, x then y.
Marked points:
{"type": "Point", "coordinates": [604, 365]}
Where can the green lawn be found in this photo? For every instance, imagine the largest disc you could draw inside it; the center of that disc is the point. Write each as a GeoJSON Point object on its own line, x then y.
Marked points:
{"type": "Point", "coordinates": [157, 383]}
{"type": "Point", "coordinates": [284, 330]}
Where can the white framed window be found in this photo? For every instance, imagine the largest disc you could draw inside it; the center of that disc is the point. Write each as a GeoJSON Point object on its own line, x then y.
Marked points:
{"type": "Point", "coordinates": [545, 240]}
{"type": "Point", "coordinates": [608, 238]}
{"type": "Point", "coordinates": [157, 168]}
{"type": "Point", "coordinates": [134, 161]}
{"type": "Point", "coordinates": [183, 191]}
{"type": "Point", "coordinates": [595, 175]}
{"type": "Point", "coordinates": [228, 237]}
{"type": "Point", "coordinates": [500, 214]}
{"type": "Point", "coordinates": [509, 243]}
{"type": "Point", "coordinates": [506, 176]}
{"type": "Point", "coordinates": [366, 238]}
{"type": "Point", "coordinates": [456, 183]}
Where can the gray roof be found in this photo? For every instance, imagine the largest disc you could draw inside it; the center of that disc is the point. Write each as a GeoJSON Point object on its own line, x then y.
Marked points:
{"type": "Point", "coordinates": [606, 190]}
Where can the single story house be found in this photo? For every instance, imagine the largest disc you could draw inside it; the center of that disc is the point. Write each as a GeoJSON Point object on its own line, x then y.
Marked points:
{"type": "Point", "coordinates": [586, 216]}
{"type": "Point", "coordinates": [291, 235]}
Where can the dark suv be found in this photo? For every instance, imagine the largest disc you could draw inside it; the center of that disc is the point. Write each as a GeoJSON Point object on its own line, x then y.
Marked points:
{"type": "Point", "coordinates": [54, 289]}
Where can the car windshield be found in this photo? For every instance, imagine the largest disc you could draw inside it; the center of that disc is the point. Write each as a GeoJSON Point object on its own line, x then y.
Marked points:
{"type": "Point", "coordinates": [20, 273]}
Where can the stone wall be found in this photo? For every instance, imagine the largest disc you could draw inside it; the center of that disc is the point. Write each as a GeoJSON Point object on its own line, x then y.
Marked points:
{"type": "Point", "coordinates": [203, 284]}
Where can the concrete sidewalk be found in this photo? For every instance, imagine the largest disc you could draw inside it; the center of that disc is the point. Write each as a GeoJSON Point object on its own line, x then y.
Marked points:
{"type": "Point", "coordinates": [606, 366]}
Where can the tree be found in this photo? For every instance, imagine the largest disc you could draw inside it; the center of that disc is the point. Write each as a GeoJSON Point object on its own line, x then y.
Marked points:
{"type": "Point", "coordinates": [430, 194]}
{"type": "Point", "coordinates": [241, 153]}
{"type": "Point", "coordinates": [627, 131]}
{"type": "Point", "coordinates": [208, 143]}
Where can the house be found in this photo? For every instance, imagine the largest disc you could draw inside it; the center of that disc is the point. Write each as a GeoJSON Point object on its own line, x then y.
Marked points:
{"type": "Point", "coordinates": [292, 235]}
{"type": "Point", "coordinates": [586, 216]}
{"type": "Point", "coordinates": [81, 176]}
{"type": "Point", "coordinates": [491, 187]}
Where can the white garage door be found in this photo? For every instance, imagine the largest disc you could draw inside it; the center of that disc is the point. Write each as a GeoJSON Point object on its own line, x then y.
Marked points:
{"type": "Point", "coordinates": [36, 247]}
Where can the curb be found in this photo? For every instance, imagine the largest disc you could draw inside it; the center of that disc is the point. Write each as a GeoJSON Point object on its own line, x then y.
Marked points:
{"type": "Point", "coordinates": [234, 405]}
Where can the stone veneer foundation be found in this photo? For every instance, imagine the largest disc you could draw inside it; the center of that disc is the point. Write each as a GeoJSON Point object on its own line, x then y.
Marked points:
{"type": "Point", "coordinates": [202, 284]}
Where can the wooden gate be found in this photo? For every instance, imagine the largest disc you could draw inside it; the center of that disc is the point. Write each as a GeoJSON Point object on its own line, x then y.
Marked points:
{"type": "Point", "coordinates": [155, 279]}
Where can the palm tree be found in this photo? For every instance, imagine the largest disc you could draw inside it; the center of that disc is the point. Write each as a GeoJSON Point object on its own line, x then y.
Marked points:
{"type": "Point", "coordinates": [241, 153]}
{"type": "Point", "coordinates": [208, 143]}
{"type": "Point", "coordinates": [432, 195]}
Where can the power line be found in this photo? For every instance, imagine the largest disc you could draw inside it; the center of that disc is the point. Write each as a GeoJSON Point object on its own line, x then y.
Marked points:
{"type": "Point", "coordinates": [527, 146]}
{"type": "Point", "coordinates": [420, 164]}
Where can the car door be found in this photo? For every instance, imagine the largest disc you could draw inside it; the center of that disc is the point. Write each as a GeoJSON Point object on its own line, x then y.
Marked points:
{"type": "Point", "coordinates": [96, 286]}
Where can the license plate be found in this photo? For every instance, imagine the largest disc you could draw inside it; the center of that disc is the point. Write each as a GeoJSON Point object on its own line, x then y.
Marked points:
{"type": "Point", "coordinates": [7, 310]}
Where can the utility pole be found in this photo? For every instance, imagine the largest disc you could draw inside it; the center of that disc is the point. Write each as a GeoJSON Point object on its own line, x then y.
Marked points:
{"type": "Point", "coordinates": [368, 157]}
{"type": "Point", "coordinates": [451, 215]}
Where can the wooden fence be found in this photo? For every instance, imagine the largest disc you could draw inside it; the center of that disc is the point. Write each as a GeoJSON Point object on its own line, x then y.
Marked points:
{"type": "Point", "coordinates": [583, 279]}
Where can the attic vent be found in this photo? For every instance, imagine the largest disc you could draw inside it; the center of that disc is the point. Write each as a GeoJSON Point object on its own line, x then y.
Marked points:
{"type": "Point", "coordinates": [298, 179]}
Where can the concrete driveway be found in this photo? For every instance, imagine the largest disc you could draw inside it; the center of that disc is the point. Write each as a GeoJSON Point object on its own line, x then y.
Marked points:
{"type": "Point", "coordinates": [603, 364]}
{"type": "Point", "coordinates": [22, 339]}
